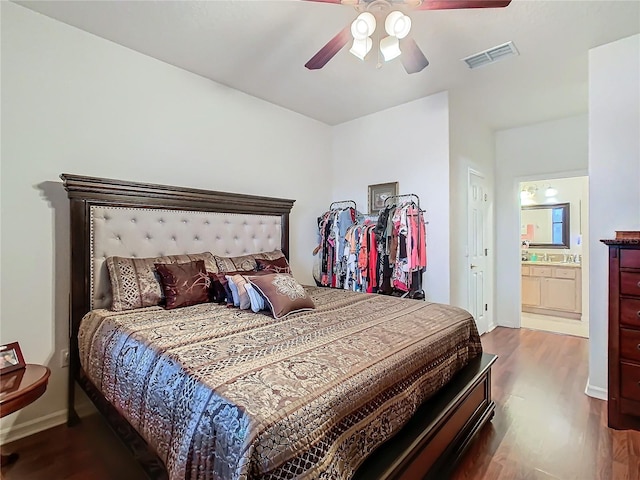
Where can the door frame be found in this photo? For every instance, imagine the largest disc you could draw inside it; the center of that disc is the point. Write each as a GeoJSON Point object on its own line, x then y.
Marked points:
{"type": "Point", "coordinates": [516, 238]}
{"type": "Point", "coordinates": [490, 245]}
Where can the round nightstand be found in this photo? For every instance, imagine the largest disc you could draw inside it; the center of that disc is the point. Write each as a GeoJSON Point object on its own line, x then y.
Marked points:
{"type": "Point", "coordinates": [21, 387]}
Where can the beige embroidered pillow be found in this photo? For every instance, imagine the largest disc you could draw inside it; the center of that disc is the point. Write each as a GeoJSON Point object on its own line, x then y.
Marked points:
{"type": "Point", "coordinates": [283, 294]}
{"type": "Point", "coordinates": [135, 282]}
{"type": "Point", "coordinates": [245, 263]}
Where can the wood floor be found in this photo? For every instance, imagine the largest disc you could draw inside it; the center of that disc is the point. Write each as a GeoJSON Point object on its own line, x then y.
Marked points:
{"type": "Point", "coordinates": [545, 427]}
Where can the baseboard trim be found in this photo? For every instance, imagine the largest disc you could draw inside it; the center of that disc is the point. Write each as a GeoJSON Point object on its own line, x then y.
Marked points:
{"type": "Point", "coordinates": [596, 392]}
{"type": "Point", "coordinates": [491, 327]}
{"type": "Point", "coordinates": [21, 430]}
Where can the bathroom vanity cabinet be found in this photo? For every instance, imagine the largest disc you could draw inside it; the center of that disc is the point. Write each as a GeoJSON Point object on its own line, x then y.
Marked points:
{"type": "Point", "coordinates": [552, 289]}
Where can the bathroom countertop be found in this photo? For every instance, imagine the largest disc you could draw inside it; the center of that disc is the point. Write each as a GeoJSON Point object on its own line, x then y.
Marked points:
{"type": "Point", "coordinates": [551, 264]}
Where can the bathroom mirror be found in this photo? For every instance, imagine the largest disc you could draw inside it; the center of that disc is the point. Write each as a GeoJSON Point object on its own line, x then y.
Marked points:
{"type": "Point", "coordinates": [545, 226]}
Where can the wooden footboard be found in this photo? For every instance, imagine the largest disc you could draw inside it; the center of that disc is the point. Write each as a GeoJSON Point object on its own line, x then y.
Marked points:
{"type": "Point", "coordinates": [431, 444]}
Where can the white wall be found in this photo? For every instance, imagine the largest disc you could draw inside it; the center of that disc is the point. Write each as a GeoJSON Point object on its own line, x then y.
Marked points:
{"type": "Point", "coordinates": [471, 147]}
{"type": "Point", "coordinates": [614, 177]}
{"type": "Point", "coordinates": [408, 144]}
{"type": "Point", "coordinates": [553, 149]}
{"type": "Point", "coordinates": [75, 103]}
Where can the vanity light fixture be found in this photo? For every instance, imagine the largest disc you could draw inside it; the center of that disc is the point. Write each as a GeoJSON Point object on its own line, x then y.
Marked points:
{"type": "Point", "coordinates": [550, 192]}
{"type": "Point", "coordinates": [527, 195]}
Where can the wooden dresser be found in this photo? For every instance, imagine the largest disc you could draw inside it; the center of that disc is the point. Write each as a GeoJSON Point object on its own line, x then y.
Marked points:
{"type": "Point", "coordinates": [624, 334]}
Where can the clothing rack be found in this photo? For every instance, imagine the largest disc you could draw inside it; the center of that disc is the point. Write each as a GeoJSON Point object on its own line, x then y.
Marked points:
{"type": "Point", "coordinates": [413, 195]}
{"type": "Point", "coordinates": [416, 291]}
{"type": "Point", "coordinates": [403, 195]}
{"type": "Point", "coordinates": [353, 250]}
{"type": "Point", "coordinates": [335, 264]}
{"type": "Point", "coordinates": [338, 202]}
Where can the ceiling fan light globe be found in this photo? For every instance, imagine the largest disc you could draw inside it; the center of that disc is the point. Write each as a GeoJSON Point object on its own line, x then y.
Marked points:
{"type": "Point", "coordinates": [363, 26]}
{"type": "Point", "coordinates": [390, 48]}
{"type": "Point", "coordinates": [397, 24]}
{"type": "Point", "coordinates": [360, 48]}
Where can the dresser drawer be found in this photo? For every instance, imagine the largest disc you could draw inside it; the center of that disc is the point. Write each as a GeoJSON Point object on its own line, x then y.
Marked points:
{"type": "Point", "coordinates": [630, 344]}
{"type": "Point", "coordinates": [525, 269]}
{"type": "Point", "coordinates": [630, 381]}
{"type": "Point", "coordinates": [629, 258]}
{"type": "Point", "coordinates": [630, 283]}
{"type": "Point", "coordinates": [564, 272]}
{"type": "Point", "coordinates": [630, 312]}
{"type": "Point", "coordinates": [540, 271]}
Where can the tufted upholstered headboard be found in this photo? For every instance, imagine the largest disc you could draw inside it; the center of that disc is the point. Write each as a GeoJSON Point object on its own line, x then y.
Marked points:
{"type": "Point", "coordinates": [152, 232]}
{"type": "Point", "coordinates": [115, 217]}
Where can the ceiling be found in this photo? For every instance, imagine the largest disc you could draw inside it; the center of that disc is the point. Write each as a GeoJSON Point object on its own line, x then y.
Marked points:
{"type": "Point", "coordinates": [260, 47]}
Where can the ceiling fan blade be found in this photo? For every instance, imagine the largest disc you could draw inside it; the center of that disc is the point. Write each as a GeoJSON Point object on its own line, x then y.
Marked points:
{"type": "Point", "coordinates": [412, 58]}
{"type": "Point", "coordinates": [456, 4]}
{"type": "Point", "coordinates": [327, 52]}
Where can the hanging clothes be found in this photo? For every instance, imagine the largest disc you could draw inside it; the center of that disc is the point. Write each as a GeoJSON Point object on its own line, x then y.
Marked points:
{"type": "Point", "coordinates": [401, 237]}
{"type": "Point", "coordinates": [362, 255]}
{"type": "Point", "coordinates": [345, 238]}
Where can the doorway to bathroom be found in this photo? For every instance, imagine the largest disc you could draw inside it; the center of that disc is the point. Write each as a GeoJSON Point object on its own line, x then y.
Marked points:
{"type": "Point", "coordinates": [555, 255]}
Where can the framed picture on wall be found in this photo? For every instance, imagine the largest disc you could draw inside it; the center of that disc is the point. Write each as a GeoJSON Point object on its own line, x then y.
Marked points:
{"type": "Point", "coordinates": [10, 358]}
{"type": "Point", "coordinates": [379, 193]}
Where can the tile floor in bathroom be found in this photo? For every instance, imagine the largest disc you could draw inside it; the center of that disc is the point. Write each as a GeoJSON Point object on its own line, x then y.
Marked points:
{"type": "Point", "coordinates": [553, 324]}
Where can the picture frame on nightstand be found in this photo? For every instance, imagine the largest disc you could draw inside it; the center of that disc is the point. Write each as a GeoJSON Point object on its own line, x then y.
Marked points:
{"type": "Point", "coordinates": [11, 358]}
{"type": "Point", "coordinates": [11, 381]}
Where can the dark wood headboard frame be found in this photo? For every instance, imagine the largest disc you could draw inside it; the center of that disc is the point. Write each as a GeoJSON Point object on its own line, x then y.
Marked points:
{"type": "Point", "coordinates": [86, 192]}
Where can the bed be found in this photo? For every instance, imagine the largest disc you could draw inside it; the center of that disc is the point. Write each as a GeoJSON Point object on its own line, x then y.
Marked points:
{"type": "Point", "coordinates": [363, 386]}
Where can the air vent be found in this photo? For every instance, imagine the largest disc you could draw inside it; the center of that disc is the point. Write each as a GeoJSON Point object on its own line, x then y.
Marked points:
{"type": "Point", "coordinates": [491, 55]}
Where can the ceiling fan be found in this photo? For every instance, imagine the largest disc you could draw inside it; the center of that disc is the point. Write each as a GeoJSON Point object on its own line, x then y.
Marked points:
{"type": "Point", "coordinates": [394, 41]}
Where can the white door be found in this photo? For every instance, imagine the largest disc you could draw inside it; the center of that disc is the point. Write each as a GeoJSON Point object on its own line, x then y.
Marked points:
{"type": "Point", "coordinates": [478, 293]}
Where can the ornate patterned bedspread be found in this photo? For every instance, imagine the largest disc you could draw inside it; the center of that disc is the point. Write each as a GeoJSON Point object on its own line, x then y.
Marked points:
{"type": "Point", "coordinates": [228, 394]}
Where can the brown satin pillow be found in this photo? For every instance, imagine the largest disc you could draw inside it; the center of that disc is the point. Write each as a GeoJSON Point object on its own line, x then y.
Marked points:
{"type": "Point", "coordinates": [183, 284]}
{"type": "Point", "coordinates": [283, 294]}
{"type": "Point", "coordinates": [279, 265]}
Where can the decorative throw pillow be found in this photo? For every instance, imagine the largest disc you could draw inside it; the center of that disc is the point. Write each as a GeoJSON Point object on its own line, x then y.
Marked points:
{"type": "Point", "coordinates": [257, 301]}
{"type": "Point", "coordinates": [184, 284]}
{"type": "Point", "coordinates": [244, 263]}
{"type": "Point", "coordinates": [282, 293]}
{"type": "Point", "coordinates": [234, 292]}
{"type": "Point", "coordinates": [222, 278]}
{"type": "Point", "coordinates": [135, 282]}
{"type": "Point", "coordinates": [217, 292]}
{"type": "Point", "coordinates": [272, 255]}
{"type": "Point", "coordinates": [240, 296]}
{"type": "Point", "coordinates": [279, 265]}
